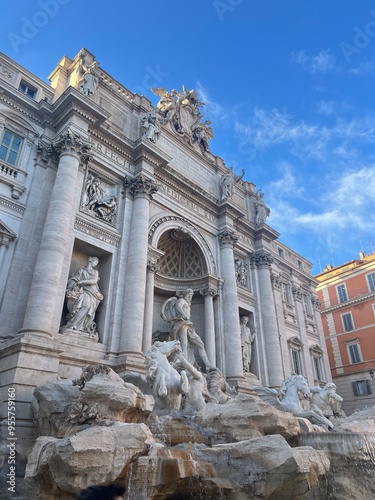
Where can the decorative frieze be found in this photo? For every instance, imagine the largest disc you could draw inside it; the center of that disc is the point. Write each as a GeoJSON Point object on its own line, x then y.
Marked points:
{"type": "Point", "coordinates": [94, 230]}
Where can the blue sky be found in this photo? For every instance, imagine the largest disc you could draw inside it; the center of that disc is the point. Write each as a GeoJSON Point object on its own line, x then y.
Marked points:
{"type": "Point", "coordinates": [289, 87]}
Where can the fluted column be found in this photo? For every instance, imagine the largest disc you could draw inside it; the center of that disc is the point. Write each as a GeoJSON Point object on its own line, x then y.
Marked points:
{"type": "Point", "coordinates": [232, 333]}
{"type": "Point", "coordinates": [209, 323]}
{"type": "Point", "coordinates": [152, 268]}
{"type": "Point", "coordinates": [263, 260]}
{"type": "Point", "coordinates": [46, 282]}
{"type": "Point", "coordinates": [136, 266]}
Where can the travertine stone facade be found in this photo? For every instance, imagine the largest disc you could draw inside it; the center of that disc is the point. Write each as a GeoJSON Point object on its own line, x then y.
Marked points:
{"type": "Point", "coordinates": [90, 170]}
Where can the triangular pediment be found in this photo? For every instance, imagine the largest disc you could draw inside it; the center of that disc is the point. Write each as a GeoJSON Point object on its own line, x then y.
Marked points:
{"type": "Point", "coordinates": [6, 234]}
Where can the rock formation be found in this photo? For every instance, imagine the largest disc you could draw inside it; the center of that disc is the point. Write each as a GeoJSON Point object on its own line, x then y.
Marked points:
{"type": "Point", "coordinates": [105, 432]}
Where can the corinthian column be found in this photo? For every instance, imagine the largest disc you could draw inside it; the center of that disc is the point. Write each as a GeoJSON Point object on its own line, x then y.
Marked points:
{"type": "Point", "coordinates": [209, 323]}
{"type": "Point", "coordinates": [136, 269]}
{"type": "Point", "coordinates": [57, 233]}
{"type": "Point", "coordinates": [263, 260]}
{"type": "Point", "coordinates": [232, 332]}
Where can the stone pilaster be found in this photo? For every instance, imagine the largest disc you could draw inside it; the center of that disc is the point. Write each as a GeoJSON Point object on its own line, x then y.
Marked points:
{"type": "Point", "coordinates": [46, 283]}
{"type": "Point", "coordinates": [232, 333]}
{"type": "Point", "coordinates": [152, 268]}
{"type": "Point", "coordinates": [209, 322]}
{"type": "Point", "coordinates": [131, 341]}
{"type": "Point", "coordinates": [262, 261]}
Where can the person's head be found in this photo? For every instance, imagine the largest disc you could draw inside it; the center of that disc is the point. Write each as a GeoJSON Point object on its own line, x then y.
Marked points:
{"type": "Point", "coordinates": [330, 386]}
{"type": "Point", "coordinates": [94, 261]}
{"type": "Point", "coordinates": [111, 492]}
{"type": "Point", "coordinates": [244, 320]}
{"type": "Point", "coordinates": [188, 294]}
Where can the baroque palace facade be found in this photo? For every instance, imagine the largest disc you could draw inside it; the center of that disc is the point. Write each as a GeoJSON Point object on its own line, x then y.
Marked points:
{"type": "Point", "coordinates": [109, 206]}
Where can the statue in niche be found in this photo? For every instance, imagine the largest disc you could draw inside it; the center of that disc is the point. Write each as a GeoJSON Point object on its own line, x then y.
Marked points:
{"type": "Point", "coordinates": [83, 298]}
{"type": "Point", "coordinates": [247, 339]}
{"type": "Point", "coordinates": [241, 272]}
{"type": "Point", "coordinates": [261, 210]}
{"type": "Point", "coordinates": [89, 80]}
{"type": "Point", "coordinates": [228, 181]}
{"type": "Point", "coordinates": [177, 311]}
{"type": "Point", "coordinates": [102, 205]}
{"type": "Point", "coordinates": [322, 397]}
{"type": "Point", "coordinates": [149, 125]}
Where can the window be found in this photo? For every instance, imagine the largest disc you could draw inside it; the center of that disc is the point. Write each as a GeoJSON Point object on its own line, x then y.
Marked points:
{"type": "Point", "coordinates": [318, 368]}
{"type": "Point", "coordinates": [281, 252]}
{"type": "Point", "coordinates": [347, 322]}
{"type": "Point", "coordinates": [308, 304]}
{"type": "Point", "coordinates": [371, 282]}
{"type": "Point", "coordinates": [10, 147]}
{"type": "Point", "coordinates": [361, 387]}
{"type": "Point", "coordinates": [354, 352]}
{"type": "Point", "coordinates": [296, 359]}
{"type": "Point", "coordinates": [341, 293]}
{"type": "Point", "coordinates": [299, 263]}
{"type": "Point", "coordinates": [287, 294]}
{"type": "Point", "coordinates": [26, 89]}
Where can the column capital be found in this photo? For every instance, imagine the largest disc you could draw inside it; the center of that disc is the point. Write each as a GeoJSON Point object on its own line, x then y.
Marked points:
{"type": "Point", "coordinates": [276, 280]}
{"type": "Point", "coordinates": [141, 186]}
{"type": "Point", "coordinates": [46, 154]}
{"type": "Point", "coordinates": [317, 304]}
{"type": "Point", "coordinates": [262, 259]}
{"type": "Point", "coordinates": [228, 238]}
{"type": "Point", "coordinates": [297, 292]}
{"type": "Point", "coordinates": [70, 142]}
{"type": "Point", "coordinates": [209, 291]}
{"type": "Point", "coordinates": [152, 265]}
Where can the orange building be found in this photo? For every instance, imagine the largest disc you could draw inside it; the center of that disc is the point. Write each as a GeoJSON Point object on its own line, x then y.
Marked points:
{"type": "Point", "coordinates": [347, 293]}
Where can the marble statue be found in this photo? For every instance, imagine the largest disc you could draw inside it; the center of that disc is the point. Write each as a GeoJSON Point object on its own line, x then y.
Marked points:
{"type": "Point", "coordinates": [149, 125]}
{"type": "Point", "coordinates": [261, 210]}
{"type": "Point", "coordinates": [177, 311]}
{"type": "Point", "coordinates": [102, 205]}
{"type": "Point", "coordinates": [202, 133]}
{"type": "Point", "coordinates": [93, 192]}
{"type": "Point", "coordinates": [83, 298]}
{"type": "Point", "coordinates": [287, 399]}
{"type": "Point", "coordinates": [181, 111]}
{"type": "Point", "coordinates": [228, 181]}
{"type": "Point", "coordinates": [247, 339]}
{"type": "Point", "coordinates": [322, 397]}
{"type": "Point", "coordinates": [218, 387]}
{"type": "Point", "coordinates": [241, 272]}
{"type": "Point", "coordinates": [168, 385]}
{"type": "Point", "coordinates": [89, 80]}
{"type": "Point", "coordinates": [198, 395]}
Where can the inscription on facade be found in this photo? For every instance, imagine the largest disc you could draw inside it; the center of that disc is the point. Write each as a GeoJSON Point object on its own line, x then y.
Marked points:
{"type": "Point", "coordinates": [186, 203]}
{"type": "Point", "coordinates": [111, 154]}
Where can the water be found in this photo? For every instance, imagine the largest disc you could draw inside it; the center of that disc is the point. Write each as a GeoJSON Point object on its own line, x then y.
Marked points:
{"type": "Point", "coordinates": [352, 457]}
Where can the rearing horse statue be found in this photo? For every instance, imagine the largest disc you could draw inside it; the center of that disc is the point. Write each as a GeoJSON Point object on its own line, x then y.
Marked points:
{"type": "Point", "coordinates": [287, 399]}
{"type": "Point", "coordinates": [167, 384]}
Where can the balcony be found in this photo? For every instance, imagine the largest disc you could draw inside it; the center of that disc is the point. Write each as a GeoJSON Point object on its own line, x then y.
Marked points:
{"type": "Point", "coordinates": [14, 177]}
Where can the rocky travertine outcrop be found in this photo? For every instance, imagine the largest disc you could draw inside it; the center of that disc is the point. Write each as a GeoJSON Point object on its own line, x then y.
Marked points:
{"type": "Point", "coordinates": [239, 450]}
{"type": "Point", "coordinates": [61, 407]}
{"type": "Point", "coordinates": [95, 455]}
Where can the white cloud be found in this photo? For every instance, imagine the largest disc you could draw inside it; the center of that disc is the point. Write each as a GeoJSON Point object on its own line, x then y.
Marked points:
{"type": "Point", "coordinates": [322, 62]}
{"type": "Point", "coordinates": [365, 68]}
